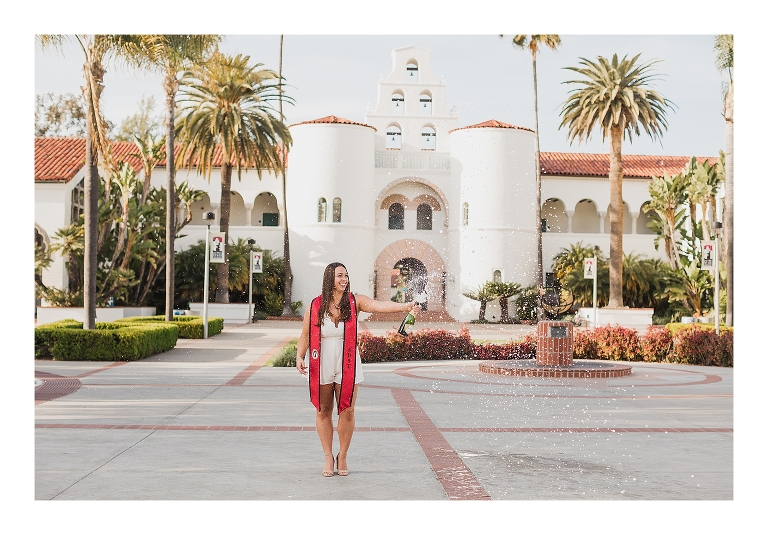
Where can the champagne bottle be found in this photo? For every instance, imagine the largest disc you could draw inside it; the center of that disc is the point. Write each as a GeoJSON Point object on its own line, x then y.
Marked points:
{"type": "Point", "coordinates": [410, 320]}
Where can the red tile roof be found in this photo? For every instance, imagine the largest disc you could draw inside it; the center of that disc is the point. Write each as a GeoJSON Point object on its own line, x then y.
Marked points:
{"type": "Point", "coordinates": [493, 123]}
{"type": "Point", "coordinates": [58, 159]}
{"type": "Point", "coordinates": [332, 119]}
{"type": "Point", "coordinates": [633, 165]}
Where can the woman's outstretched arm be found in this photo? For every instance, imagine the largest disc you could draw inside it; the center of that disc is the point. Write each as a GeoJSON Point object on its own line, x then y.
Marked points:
{"type": "Point", "coordinates": [366, 304]}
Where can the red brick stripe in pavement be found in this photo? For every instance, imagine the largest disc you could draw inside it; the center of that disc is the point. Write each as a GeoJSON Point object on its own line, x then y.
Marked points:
{"type": "Point", "coordinates": [457, 480]}
{"type": "Point", "coordinates": [167, 427]}
{"type": "Point", "coordinates": [244, 375]}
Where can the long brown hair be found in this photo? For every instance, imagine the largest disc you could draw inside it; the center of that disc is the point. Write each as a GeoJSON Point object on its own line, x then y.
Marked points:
{"type": "Point", "coordinates": [329, 279]}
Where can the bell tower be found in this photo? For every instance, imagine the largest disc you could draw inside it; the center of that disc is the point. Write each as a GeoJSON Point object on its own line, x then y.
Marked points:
{"type": "Point", "coordinates": [411, 113]}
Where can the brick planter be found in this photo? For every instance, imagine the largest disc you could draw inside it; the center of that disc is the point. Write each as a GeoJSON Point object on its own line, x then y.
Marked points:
{"type": "Point", "coordinates": [554, 346]}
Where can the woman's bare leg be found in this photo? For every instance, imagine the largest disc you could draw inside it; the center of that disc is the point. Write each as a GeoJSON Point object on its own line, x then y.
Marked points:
{"type": "Point", "coordinates": [346, 427]}
{"type": "Point", "coordinates": [324, 424]}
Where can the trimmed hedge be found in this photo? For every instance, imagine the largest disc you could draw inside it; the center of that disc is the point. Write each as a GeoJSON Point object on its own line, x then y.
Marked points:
{"type": "Point", "coordinates": [66, 340]}
{"type": "Point", "coordinates": [189, 326]}
{"type": "Point", "coordinates": [675, 327]}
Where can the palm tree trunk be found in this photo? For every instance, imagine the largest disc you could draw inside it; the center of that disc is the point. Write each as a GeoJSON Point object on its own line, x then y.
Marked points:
{"type": "Point", "coordinates": [91, 231]}
{"type": "Point", "coordinates": [616, 213]}
{"type": "Point", "coordinates": [504, 304]}
{"type": "Point", "coordinates": [729, 207]}
{"type": "Point", "coordinates": [170, 202]}
{"type": "Point", "coordinates": [222, 273]}
{"type": "Point", "coordinates": [540, 260]}
{"type": "Point", "coordinates": [482, 309]}
{"type": "Point", "coordinates": [288, 277]}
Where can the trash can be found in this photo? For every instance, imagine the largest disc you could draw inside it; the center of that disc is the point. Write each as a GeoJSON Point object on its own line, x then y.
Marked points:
{"type": "Point", "coordinates": [554, 344]}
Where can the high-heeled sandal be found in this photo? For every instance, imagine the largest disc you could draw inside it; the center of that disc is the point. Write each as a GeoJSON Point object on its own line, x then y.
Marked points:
{"type": "Point", "coordinates": [328, 473]}
{"type": "Point", "coordinates": [339, 470]}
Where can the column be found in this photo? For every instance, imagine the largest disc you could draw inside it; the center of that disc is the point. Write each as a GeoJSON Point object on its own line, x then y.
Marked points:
{"type": "Point", "coordinates": [248, 211]}
{"type": "Point", "coordinates": [569, 215]}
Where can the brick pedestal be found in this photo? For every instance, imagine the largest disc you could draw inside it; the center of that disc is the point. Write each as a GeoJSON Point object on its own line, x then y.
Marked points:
{"type": "Point", "coordinates": [554, 346]}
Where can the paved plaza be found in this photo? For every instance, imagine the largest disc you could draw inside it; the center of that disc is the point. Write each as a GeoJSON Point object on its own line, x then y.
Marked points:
{"type": "Point", "coordinates": [207, 421]}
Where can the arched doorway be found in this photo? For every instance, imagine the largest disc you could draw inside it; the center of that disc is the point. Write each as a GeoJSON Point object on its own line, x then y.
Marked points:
{"type": "Point", "coordinates": [424, 268]}
{"type": "Point", "coordinates": [408, 278]}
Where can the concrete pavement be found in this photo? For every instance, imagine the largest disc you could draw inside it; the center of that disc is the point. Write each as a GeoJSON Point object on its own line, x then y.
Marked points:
{"type": "Point", "coordinates": [207, 421]}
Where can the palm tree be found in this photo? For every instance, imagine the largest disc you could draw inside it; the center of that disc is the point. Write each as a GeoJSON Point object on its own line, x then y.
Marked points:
{"type": "Point", "coordinates": [171, 54]}
{"type": "Point", "coordinates": [724, 62]}
{"type": "Point", "coordinates": [617, 97]}
{"type": "Point", "coordinates": [96, 48]}
{"type": "Point", "coordinates": [667, 194]}
{"type": "Point", "coordinates": [532, 43]}
{"type": "Point", "coordinates": [288, 277]}
{"type": "Point", "coordinates": [483, 294]}
{"type": "Point", "coordinates": [226, 110]}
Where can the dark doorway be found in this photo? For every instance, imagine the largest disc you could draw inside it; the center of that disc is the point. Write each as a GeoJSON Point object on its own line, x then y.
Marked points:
{"type": "Point", "coordinates": [409, 277]}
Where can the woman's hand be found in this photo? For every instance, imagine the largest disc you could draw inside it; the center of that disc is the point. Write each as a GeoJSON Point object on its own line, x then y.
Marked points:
{"type": "Point", "coordinates": [415, 309]}
{"type": "Point", "coordinates": [300, 365]}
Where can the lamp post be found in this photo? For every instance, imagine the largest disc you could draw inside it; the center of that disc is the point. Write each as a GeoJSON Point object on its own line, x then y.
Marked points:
{"type": "Point", "coordinates": [251, 241]}
{"type": "Point", "coordinates": [594, 290]}
{"type": "Point", "coordinates": [208, 217]}
{"type": "Point", "coordinates": [717, 227]}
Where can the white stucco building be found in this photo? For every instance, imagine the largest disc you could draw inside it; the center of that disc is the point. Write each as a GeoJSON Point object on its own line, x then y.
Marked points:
{"type": "Point", "coordinates": [407, 187]}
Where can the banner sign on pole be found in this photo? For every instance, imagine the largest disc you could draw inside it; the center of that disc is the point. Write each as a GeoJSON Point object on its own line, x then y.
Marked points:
{"type": "Point", "coordinates": [708, 255]}
{"type": "Point", "coordinates": [256, 261]}
{"type": "Point", "coordinates": [218, 241]}
{"type": "Point", "coordinates": [590, 266]}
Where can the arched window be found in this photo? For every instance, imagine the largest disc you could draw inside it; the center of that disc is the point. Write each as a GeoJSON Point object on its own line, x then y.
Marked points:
{"type": "Point", "coordinates": [78, 201]}
{"type": "Point", "coordinates": [337, 210]}
{"type": "Point", "coordinates": [322, 208]}
{"type": "Point", "coordinates": [398, 104]}
{"type": "Point", "coordinates": [396, 216]}
{"type": "Point", "coordinates": [412, 71]}
{"type": "Point", "coordinates": [428, 138]}
{"type": "Point", "coordinates": [425, 104]}
{"type": "Point", "coordinates": [394, 137]}
{"type": "Point", "coordinates": [424, 217]}
{"type": "Point", "coordinates": [465, 214]}
{"type": "Point", "coordinates": [496, 275]}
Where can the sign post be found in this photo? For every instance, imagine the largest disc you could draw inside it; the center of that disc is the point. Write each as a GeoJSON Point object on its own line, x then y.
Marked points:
{"type": "Point", "coordinates": [590, 272]}
{"type": "Point", "coordinates": [709, 261]}
{"type": "Point", "coordinates": [214, 254]}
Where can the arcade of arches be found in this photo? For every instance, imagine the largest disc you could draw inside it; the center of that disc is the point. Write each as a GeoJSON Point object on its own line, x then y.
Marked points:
{"type": "Point", "coordinates": [585, 218]}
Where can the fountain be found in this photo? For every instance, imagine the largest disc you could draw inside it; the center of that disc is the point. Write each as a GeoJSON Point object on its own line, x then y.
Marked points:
{"type": "Point", "coordinates": [554, 348]}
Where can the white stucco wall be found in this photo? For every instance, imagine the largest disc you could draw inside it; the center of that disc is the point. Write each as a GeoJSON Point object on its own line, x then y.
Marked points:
{"type": "Point", "coordinates": [329, 161]}
{"type": "Point", "coordinates": [496, 170]}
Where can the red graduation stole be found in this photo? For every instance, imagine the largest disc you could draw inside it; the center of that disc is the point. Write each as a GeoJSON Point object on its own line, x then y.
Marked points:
{"type": "Point", "coordinates": [349, 354]}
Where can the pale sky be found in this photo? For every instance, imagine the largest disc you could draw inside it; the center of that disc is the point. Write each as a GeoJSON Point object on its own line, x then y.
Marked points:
{"type": "Point", "coordinates": [486, 78]}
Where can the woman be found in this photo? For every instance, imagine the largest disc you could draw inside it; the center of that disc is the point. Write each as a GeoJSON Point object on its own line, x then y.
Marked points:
{"type": "Point", "coordinates": [329, 342]}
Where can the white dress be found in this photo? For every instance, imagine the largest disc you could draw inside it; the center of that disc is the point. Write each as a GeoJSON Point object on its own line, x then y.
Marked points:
{"type": "Point", "coordinates": [331, 348]}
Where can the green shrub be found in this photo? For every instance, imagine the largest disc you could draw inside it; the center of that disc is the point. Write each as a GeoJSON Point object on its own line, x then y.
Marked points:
{"type": "Point", "coordinates": [105, 343]}
{"type": "Point", "coordinates": [189, 326]}
{"type": "Point", "coordinates": [285, 358]}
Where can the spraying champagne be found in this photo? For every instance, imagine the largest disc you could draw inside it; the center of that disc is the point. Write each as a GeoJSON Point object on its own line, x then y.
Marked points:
{"type": "Point", "coordinates": [410, 320]}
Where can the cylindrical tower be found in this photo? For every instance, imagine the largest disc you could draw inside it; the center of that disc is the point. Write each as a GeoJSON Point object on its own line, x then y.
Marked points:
{"type": "Point", "coordinates": [330, 191]}
{"type": "Point", "coordinates": [494, 164]}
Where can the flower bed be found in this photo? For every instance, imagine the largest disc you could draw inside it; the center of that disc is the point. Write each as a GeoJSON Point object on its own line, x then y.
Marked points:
{"type": "Point", "coordinates": [692, 345]}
